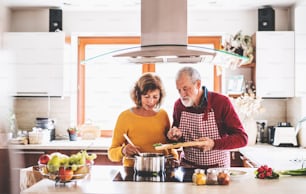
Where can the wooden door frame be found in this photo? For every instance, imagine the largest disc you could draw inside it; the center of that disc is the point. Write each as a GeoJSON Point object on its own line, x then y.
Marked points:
{"type": "Point", "coordinates": [83, 41]}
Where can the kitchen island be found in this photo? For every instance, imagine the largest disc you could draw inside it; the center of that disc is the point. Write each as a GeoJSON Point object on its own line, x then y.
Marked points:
{"type": "Point", "coordinates": [280, 158]}
{"type": "Point", "coordinates": [101, 181]}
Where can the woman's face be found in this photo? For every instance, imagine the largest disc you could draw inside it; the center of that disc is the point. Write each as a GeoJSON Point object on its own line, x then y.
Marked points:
{"type": "Point", "coordinates": [150, 99]}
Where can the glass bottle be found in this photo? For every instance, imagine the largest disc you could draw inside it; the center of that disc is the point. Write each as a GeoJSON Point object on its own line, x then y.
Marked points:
{"type": "Point", "coordinates": [199, 177]}
{"type": "Point", "coordinates": [212, 177]}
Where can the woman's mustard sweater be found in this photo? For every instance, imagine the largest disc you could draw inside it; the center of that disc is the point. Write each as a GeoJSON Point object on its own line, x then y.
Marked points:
{"type": "Point", "coordinates": [143, 132]}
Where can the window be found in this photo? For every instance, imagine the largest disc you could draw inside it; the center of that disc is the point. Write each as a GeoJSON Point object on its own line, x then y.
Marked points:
{"type": "Point", "coordinates": [107, 85]}
{"type": "Point", "coordinates": [105, 82]}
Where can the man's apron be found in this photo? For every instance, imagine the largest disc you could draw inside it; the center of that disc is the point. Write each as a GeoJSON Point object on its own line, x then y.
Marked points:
{"type": "Point", "coordinates": [195, 126]}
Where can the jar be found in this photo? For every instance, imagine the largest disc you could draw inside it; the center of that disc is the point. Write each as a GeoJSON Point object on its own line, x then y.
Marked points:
{"type": "Point", "coordinates": [223, 177]}
{"type": "Point", "coordinates": [199, 177]}
{"type": "Point", "coordinates": [212, 177]}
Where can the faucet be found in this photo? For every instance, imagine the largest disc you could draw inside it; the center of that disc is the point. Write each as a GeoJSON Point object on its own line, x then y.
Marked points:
{"type": "Point", "coordinates": [297, 128]}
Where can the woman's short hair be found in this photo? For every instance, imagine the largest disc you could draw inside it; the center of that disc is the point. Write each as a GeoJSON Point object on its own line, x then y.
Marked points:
{"type": "Point", "coordinates": [147, 82]}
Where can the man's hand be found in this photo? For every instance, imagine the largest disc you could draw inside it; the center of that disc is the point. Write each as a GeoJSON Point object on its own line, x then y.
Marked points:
{"type": "Point", "coordinates": [208, 145]}
{"type": "Point", "coordinates": [174, 134]}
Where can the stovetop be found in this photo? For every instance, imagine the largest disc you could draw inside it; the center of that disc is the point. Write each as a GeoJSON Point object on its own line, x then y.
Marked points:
{"type": "Point", "coordinates": [179, 174]}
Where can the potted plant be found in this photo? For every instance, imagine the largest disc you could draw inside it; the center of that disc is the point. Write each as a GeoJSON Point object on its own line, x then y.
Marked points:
{"type": "Point", "coordinates": [73, 133]}
{"type": "Point", "coordinates": [240, 44]}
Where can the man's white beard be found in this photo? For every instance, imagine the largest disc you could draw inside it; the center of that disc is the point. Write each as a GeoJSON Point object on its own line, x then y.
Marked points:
{"type": "Point", "coordinates": [187, 102]}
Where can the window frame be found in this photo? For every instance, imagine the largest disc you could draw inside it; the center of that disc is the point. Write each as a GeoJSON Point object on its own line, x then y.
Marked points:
{"type": "Point", "coordinates": [83, 41]}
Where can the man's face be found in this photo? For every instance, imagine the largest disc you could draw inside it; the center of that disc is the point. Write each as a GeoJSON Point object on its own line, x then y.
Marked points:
{"type": "Point", "coordinates": [188, 91]}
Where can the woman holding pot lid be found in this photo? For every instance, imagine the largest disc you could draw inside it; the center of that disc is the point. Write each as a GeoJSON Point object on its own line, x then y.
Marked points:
{"type": "Point", "coordinates": [144, 124]}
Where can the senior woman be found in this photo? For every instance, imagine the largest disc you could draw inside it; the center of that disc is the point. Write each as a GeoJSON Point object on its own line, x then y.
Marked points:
{"type": "Point", "coordinates": [145, 123]}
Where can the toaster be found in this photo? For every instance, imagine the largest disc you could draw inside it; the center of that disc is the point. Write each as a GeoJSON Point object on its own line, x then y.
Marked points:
{"type": "Point", "coordinates": [284, 136]}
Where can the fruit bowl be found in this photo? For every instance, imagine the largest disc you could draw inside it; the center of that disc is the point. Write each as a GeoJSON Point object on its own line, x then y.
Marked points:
{"type": "Point", "coordinates": [66, 173]}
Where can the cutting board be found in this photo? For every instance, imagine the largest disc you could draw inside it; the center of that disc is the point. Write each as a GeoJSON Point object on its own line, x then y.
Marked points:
{"type": "Point", "coordinates": [180, 144]}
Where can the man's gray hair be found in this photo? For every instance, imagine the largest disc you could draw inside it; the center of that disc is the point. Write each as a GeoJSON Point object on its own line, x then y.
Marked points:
{"type": "Point", "coordinates": [191, 72]}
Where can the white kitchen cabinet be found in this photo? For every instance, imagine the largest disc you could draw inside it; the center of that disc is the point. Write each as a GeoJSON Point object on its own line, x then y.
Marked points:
{"type": "Point", "coordinates": [38, 59]}
{"type": "Point", "coordinates": [300, 50]}
{"type": "Point", "coordinates": [275, 64]}
{"type": "Point", "coordinates": [300, 64]}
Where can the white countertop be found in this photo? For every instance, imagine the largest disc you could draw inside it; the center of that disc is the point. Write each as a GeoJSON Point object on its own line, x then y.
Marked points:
{"type": "Point", "coordinates": [278, 158]}
{"type": "Point", "coordinates": [97, 144]}
{"type": "Point", "coordinates": [101, 182]}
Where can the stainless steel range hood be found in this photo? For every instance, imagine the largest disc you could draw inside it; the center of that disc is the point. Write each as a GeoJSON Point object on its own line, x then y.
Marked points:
{"type": "Point", "coordinates": [164, 34]}
{"type": "Point", "coordinates": [164, 37]}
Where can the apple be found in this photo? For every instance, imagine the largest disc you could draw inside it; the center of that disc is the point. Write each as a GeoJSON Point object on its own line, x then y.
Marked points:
{"type": "Point", "coordinates": [90, 162]}
{"type": "Point", "coordinates": [44, 159]}
{"type": "Point", "coordinates": [65, 174]}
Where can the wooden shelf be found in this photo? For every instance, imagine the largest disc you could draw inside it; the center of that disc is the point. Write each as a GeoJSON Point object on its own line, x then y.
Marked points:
{"type": "Point", "coordinates": [250, 65]}
{"type": "Point", "coordinates": [234, 95]}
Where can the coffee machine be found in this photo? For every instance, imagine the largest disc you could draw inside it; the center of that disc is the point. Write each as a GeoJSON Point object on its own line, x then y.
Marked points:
{"type": "Point", "coordinates": [283, 135]}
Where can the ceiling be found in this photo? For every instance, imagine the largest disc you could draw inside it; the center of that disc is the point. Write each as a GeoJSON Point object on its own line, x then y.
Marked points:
{"type": "Point", "coordinates": [135, 4]}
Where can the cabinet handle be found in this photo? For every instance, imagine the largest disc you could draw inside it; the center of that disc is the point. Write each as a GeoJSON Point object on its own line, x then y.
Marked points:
{"type": "Point", "coordinates": [249, 164]}
{"type": "Point", "coordinates": [29, 152]}
{"type": "Point", "coordinates": [31, 93]}
{"type": "Point", "coordinates": [233, 155]}
{"type": "Point", "coordinates": [99, 153]}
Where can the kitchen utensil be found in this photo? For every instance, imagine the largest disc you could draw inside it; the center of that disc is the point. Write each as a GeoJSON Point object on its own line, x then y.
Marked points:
{"type": "Point", "coordinates": [261, 132]}
{"type": "Point", "coordinates": [149, 163]}
{"type": "Point", "coordinates": [178, 145]}
{"type": "Point", "coordinates": [237, 174]}
{"type": "Point", "coordinates": [130, 141]}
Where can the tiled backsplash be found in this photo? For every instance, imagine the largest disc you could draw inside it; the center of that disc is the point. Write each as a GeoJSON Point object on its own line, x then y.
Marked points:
{"type": "Point", "coordinates": [296, 109]}
{"type": "Point", "coordinates": [274, 111]}
{"type": "Point", "coordinates": [27, 109]}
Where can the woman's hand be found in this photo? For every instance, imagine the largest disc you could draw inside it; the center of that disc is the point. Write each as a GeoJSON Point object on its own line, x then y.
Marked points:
{"type": "Point", "coordinates": [174, 134]}
{"type": "Point", "coordinates": [130, 150]}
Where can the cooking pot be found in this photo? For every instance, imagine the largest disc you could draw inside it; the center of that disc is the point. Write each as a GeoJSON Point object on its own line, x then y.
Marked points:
{"type": "Point", "coordinates": [150, 162]}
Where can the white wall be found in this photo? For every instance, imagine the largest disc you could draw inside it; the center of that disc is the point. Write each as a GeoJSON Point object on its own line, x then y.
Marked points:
{"type": "Point", "coordinates": [6, 75]}
{"type": "Point", "coordinates": [128, 23]}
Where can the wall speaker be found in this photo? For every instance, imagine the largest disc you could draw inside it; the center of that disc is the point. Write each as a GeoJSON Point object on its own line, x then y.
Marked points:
{"type": "Point", "coordinates": [55, 20]}
{"type": "Point", "coordinates": [266, 19]}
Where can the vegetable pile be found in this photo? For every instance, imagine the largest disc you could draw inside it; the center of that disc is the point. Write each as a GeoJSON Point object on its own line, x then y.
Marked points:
{"type": "Point", "coordinates": [296, 172]}
{"type": "Point", "coordinates": [266, 172]}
